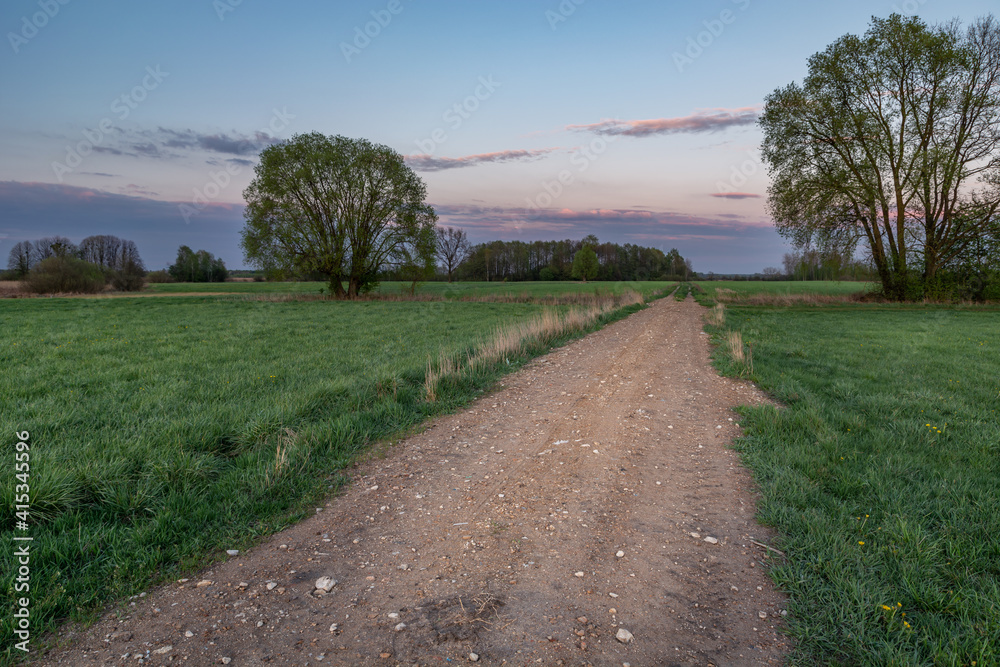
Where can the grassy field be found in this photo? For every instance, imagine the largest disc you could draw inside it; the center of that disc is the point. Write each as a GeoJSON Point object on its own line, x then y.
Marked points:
{"type": "Point", "coordinates": [881, 474]}
{"type": "Point", "coordinates": [164, 431]}
{"type": "Point", "coordinates": [783, 287]}
{"type": "Point", "coordinates": [447, 290]}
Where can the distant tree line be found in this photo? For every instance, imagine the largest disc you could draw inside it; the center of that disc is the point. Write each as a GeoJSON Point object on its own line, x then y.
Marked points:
{"type": "Point", "coordinates": [56, 264]}
{"type": "Point", "coordinates": [554, 260]}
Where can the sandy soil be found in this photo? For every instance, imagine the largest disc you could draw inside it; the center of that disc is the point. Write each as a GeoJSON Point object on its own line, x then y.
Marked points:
{"type": "Point", "coordinates": [593, 492]}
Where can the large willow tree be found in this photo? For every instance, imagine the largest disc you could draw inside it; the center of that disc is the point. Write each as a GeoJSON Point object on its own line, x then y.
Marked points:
{"type": "Point", "coordinates": [892, 140]}
{"type": "Point", "coordinates": [343, 208]}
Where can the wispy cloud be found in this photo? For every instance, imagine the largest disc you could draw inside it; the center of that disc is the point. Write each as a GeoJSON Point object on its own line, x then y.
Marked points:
{"type": "Point", "coordinates": [229, 143]}
{"type": "Point", "coordinates": [736, 195]}
{"type": "Point", "coordinates": [539, 223]}
{"type": "Point", "coordinates": [165, 143]}
{"type": "Point", "coordinates": [137, 191]}
{"type": "Point", "coordinates": [704, 120]}
{"type": "Point", "coordinates": [432, 163]}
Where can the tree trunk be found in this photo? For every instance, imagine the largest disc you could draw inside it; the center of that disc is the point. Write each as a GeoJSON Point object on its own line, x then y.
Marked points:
{"type": "Point", "coordinates": [353, 288]}
{"type": "Point", "coordinates": [337, 287]}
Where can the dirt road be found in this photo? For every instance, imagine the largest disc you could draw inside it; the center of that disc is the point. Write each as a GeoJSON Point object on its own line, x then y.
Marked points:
{"type": "Point", "coordinates": [592, 493]}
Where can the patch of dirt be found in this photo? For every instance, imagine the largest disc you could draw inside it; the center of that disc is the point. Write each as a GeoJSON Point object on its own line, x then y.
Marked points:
{"type": "Point", "coordinates": [594, 491]}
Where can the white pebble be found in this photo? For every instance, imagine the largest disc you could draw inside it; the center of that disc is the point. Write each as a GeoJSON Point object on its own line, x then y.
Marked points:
{"type": "Point", "coordinates": [325, 584]}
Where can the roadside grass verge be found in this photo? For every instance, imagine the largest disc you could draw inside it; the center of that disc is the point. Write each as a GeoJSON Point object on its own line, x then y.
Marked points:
{"type": "Point", "coordinates": [164, 431]}
{"type": "Point", "coordinates": [882, 475]}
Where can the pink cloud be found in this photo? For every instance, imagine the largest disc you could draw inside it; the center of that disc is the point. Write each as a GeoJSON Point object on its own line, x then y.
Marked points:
{"type": "Point", "coordinates": [704, 120]}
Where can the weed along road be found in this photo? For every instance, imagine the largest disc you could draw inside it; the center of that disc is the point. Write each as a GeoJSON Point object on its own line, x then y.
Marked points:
{"type": "Point", "coordinates": [589, 511]}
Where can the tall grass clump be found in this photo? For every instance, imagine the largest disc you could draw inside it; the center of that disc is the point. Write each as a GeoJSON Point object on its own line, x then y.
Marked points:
{"type": "Point", "coordinates": [513, 341]}
{"type": "Point", "coordinates": [716, 316]}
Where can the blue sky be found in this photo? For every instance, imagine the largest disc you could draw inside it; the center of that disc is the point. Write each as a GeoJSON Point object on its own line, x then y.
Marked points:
{"type": "Point", "coordinates": [633, 121]}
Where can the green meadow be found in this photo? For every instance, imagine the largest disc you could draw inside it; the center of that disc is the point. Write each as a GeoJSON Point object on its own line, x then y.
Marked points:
{"type": "Point", "coordinates": [432, 289]}
{"type": "Point", "coordinates": [881, 474]}
{"type": "Point", "coordinates": [784, 287]}
{"type": "Point", "coordinates": [166, 430]}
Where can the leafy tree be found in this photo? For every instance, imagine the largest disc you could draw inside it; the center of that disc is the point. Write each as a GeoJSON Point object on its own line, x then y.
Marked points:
{"type": "Point", "coordinates": [64, 273]}
{"type": "Point", "coordinates": [452, 247]}
{"type": "Point", "coordinates": [585, 264]}
{"type": "Point", "coordinates": [344, 208]}
{"type": "Point", "coordinates": [197, 267]}
{"type": "Point", "coordinates": [893, 140]}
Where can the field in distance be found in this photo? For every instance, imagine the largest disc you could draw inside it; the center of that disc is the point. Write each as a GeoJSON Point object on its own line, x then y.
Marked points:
{"type": "Point", "coordinates": [447, 290]}
{"type": "Point", "coordinates": [784, 287]}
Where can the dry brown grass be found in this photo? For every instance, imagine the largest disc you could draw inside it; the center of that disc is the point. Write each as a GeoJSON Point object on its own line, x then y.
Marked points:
{"type": "Point", "coordinates": [724, 295]}
{"type": "Point", "coordinates": [12, 288]}
{"type": "Point", "coordinates": [275, 473]}
{"type": "Point", "coordinates": [445, 367]}
{"type": "Point", "coordinates": [734, 344]}
{"type": "Point", "coordinates": [741, 356]}
{"type": "Point", "coordinates": [513, 340]}
{"type": "Point", "coordinates": [717, 315]}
